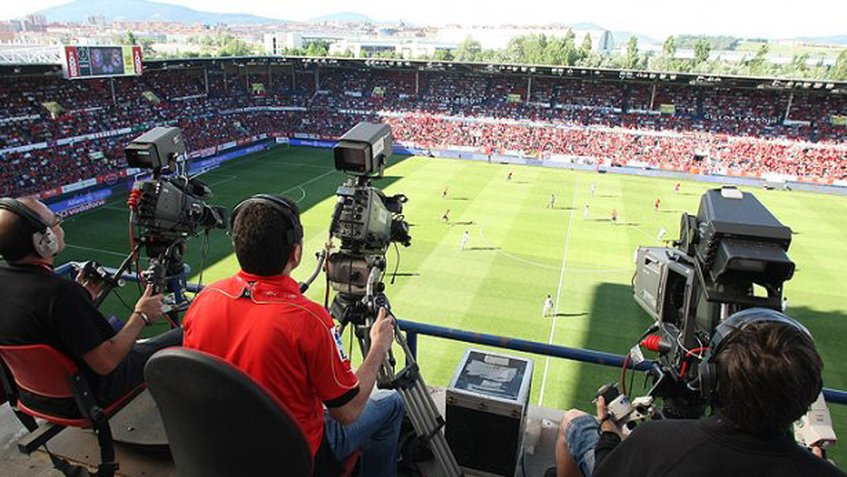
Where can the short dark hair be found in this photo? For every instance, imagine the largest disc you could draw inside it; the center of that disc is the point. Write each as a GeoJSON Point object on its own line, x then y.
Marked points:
{"type": "Point", "coordinates": [258, 235]}
{"type": "Point", "coordinates": [768, 376]}
{"type": "Point", "coordinates": [15, 236]}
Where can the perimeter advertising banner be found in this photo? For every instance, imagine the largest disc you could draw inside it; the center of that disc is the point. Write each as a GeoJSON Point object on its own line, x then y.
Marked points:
{"type": "Point", "coordinates": [80, 62]}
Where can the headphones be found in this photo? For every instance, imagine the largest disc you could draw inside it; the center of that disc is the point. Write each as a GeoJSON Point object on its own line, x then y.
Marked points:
{"type": "Point", "coordinates": [707, 370]}
{"type": "Point", "coordinates": [44, 240]}
{"type": "Point", "coordinates": [294, 234]}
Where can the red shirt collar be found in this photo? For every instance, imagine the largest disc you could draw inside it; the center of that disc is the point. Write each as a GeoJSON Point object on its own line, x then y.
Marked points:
{"type": "Point", "coordinates": [283, 283]}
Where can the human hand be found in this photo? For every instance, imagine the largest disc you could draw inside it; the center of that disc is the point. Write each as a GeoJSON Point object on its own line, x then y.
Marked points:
{"type": "Point", "coordinates": [607, 424]}
{"type": "Point", "coordinates": [382, 332]}
{"type": "Point", "coordinates": [150, 304]}
{"type": "Point", "coordinates": [91, 284]}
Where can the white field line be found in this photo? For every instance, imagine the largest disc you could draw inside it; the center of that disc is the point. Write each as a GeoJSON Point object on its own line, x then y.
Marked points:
{"type": "Point", "coordinates": [547, 266]}
{"type": "Point", "coordinates": [559, 291]}
{"type": "Point", "coordinates": [303, 196]}
{"type": "Point", "coordinates": [313, 179]}
{"type": "Point", "coordinates": [98, 250]}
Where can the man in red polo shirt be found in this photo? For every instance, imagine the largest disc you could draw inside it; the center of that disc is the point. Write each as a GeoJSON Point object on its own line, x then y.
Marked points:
{"type": "Point", "coordinates": [260, 322]}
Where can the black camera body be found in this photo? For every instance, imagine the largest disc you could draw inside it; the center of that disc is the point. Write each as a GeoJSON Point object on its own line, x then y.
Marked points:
{"type": "Point", "coordinates": [168, 207]}
{"type": "Point", "coordinates": [729, 257]}
{"type": "Point", "coordinates": [172, 207]}
{"type": "Point", "coordinates": [365, 220]}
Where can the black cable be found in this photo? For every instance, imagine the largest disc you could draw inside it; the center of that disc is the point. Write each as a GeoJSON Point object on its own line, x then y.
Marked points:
{"type": "Point", "coordinates": [122, 300]}
{"type": "Point", "coordinates": [204, 251]}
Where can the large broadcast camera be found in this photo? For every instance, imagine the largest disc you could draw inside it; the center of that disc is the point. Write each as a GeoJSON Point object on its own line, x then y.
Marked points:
{"type": "Point", "coordinates": [731, 256]}
{"type": "Point", "coordinates": [365, 220]}
{"type": "Point", "coordinates": [168, 207]}
{"type": "Point", "coordinates": [165, 210]}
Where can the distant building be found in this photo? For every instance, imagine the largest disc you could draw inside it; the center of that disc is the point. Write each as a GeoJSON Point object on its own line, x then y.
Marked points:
{"type": "Point", "coordinates": [35, 23]}
{"type": "Point", "coordinates": [96, 20]}
{"type": "Point", "coordinates": [407, 49]}
{"type": "Point", "coordinates": [276, 43]}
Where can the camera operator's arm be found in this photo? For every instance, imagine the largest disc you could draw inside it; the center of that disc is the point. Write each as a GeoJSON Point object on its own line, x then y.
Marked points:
{"type": "Point", "coordinates": [382, 335]}
{"type": "Point", "coordinates": [105, 357]}
{"type": "Point", "coordinates": [610, 433]}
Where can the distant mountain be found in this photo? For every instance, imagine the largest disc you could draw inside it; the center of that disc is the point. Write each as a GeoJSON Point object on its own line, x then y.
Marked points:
{"type": "Point", "coordinates": [622, 37]}
{"type": "Point", "coordinates": [144, 10]}
{"type": "Point", "coordinates": [827, 40]}
{"type": "Point", "coordinates": [343, 17]}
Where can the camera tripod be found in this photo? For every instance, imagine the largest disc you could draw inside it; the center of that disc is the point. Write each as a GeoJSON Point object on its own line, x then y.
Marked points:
{"type": "Point", "coordinates": [166, 272]}
{"type": "Point", "coordinates": [361, 311]}
{"type": "Point", "coordinates": [420, 407]}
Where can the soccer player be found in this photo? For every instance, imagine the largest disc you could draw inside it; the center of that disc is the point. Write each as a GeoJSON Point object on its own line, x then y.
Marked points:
{"type": "Point", "coordinates": [657, 204]}
{"type": "Point", "coordinates": [552, 203]}
{"type": "Point", "coordinates": [662, 233]}
{"type": "Point", "coordinates": [592, 189]}
{"type": "Point", "coordinates": [676, 188]}
{"type": "Point", "coordinates": [585, 212]}
{"type": "Point", "coordinates": [444, 193]}
{"type": "Point", "coordinates": [614, 217]}
{"type": "Point", "coordinates": [465, 238]}
{"type": "Point", "coordinates": [548, 306]}
{"type": "Point", "coordinates": [446, 216]}
{"type": "Point", "coordinates": [509, 177]}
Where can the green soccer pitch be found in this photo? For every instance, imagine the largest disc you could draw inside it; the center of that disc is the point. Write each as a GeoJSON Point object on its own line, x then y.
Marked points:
{"type": "Point", "coordinates": [519, 250]}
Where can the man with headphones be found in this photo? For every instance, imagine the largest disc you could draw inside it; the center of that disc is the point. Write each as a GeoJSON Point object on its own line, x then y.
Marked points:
{"type": "Point", "coordinates": [761, 373]}
{"type": "Point", "coordinates": [259, 321]}
{"type": "Point", "coordinates": [41, 307]}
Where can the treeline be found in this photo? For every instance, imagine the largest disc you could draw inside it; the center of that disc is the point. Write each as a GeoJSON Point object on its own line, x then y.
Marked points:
{"type": "Point", "coordinates": [566, 50]}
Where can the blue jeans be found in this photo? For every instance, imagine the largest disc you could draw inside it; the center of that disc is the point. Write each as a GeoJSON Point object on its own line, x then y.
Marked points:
{"type": "Point", "coordinates": [375, 432]}
{"type": "Point", "coordinates": [582, 437]}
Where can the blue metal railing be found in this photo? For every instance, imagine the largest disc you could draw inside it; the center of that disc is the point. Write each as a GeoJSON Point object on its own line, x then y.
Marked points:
{"type": "Point", "coordinates": [414, 329]}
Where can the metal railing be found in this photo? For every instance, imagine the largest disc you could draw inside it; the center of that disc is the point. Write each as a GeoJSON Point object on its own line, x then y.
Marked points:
{"type": "Point", "coordinates": [413, 329]}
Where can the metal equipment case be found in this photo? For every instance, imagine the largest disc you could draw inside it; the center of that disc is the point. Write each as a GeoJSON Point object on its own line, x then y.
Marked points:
{"type": "Point", "coordinates": [487, 402]}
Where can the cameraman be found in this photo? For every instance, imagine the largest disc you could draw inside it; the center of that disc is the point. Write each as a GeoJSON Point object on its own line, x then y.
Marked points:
{"type": "Point", "coordinates": [769, 374]}
{"type": "Point", "coordinates": [41, 307]}
{"type": "Point", "coordinates": [260, 322]}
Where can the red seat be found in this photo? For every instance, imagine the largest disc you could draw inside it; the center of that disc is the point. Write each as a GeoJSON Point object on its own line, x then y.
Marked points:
{"type": "Point", "coordinates": [47, 384]}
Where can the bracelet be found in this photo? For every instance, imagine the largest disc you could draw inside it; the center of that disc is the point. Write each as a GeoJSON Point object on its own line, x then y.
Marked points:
{"type": "Point", "coordinates": [144, 317]}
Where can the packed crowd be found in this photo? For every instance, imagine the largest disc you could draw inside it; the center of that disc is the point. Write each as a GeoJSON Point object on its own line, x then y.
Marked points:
{"type": "Point", "coordinates": [737, 131]}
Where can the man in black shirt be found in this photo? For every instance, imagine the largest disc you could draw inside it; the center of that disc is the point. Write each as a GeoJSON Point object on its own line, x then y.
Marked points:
{"type": "Point", "coordinates": [768, 374]}
{"type": "Point", "coordinates": [41, 307]}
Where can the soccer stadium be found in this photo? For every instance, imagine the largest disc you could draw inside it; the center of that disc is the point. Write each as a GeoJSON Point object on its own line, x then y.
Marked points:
{"type": "Point", "coordinates": [530, 189]}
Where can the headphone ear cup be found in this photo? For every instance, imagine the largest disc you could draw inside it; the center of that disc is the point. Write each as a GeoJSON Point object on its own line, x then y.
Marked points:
{"type": "Point", "coordinates": [707, 374]}
{"type": "Point", "coordinates": [45, 243]}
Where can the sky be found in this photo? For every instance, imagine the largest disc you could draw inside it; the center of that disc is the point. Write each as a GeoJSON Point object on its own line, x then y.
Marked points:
{"type": "Point", "coordinates": [655, 18]}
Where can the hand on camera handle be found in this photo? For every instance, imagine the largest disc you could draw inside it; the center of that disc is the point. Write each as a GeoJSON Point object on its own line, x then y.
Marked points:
{"type": "Point", "coordinates": [150, 304]}
{"type": "Point", "coordinates": [382, 331]}
{"type": "Point", "coordinates": [607, 424]}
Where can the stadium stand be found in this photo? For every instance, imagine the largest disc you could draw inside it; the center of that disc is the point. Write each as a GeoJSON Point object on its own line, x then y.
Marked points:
{"type": "Point", "coordinates": [54, 131]}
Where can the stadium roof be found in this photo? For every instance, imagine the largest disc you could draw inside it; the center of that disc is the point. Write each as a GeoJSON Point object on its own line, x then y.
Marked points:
{"type": "Point", "coordinates": [312, 63]}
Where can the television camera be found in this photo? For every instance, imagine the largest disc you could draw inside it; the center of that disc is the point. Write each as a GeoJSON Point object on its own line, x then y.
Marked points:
{"type": "Point", "coordinates": [165, 210]}
{"type": "Point", "coordinates": [731, 256]}
{"type": "Point", "coordinates": [367, 222]}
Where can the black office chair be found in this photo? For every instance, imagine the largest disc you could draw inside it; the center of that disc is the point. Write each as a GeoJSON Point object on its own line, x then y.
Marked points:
{"type": "Point", "coordinates": [220, 422]}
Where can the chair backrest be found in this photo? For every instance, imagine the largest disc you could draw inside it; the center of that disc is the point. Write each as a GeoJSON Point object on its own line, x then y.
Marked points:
{"type": "Point", "coordinates": [40, 369]}
{"type": "Point", "coordinates": [221, 422]}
